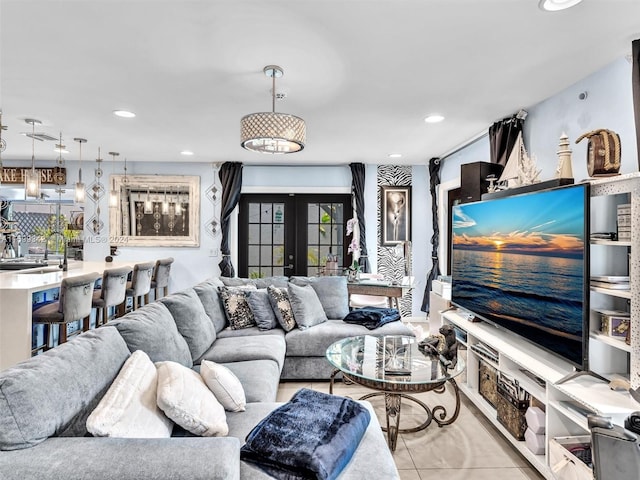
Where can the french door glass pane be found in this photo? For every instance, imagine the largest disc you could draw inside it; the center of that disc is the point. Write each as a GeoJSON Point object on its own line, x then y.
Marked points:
{"type": "Point", "coordinates": [254, 212]}
{"type": "Point", "coordinates": [278, 234]}
{"type": "Point", "coordinates": [254, 233]}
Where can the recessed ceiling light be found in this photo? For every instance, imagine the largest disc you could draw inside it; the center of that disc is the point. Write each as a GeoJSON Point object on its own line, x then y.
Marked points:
{"type": "Point", "coordinates": [124, 113]}
{"type": "Point", "coordinates": [434, 118]}
{"type": "Point", "coordinates": [557, 5]}
{"type": "Point", "coordinates": [395, 155]}
{"type": "Point", "coordinates": [186, 152]}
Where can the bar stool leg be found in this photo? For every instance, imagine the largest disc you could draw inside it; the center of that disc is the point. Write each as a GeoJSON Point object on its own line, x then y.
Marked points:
{"type": "Point", "coordinates": [62, 333]}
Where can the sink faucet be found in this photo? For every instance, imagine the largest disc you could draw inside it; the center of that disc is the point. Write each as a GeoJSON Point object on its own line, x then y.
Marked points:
{"type": "Point", "coordinates": [46, 244]}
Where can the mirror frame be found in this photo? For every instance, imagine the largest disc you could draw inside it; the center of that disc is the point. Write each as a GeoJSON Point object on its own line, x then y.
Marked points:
{"type": "Point", "coordinates": [186, 183]}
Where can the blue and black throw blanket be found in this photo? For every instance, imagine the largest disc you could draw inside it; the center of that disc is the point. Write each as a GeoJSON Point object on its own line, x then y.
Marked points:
{"type": "Point", "coordinates": [313, 436]}
{"type": "Point", "coordinates": [372, 317]}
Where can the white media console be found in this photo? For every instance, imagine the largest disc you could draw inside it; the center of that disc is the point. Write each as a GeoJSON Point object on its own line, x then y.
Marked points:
{"type": "Point", "coordinates": [540, 373]}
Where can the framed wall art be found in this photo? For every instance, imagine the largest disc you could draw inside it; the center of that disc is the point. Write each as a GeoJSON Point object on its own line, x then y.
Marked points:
{"type": "Point", "coordinates": [395, 214]}
{"type": "Point", "coordinates": [156, 211]}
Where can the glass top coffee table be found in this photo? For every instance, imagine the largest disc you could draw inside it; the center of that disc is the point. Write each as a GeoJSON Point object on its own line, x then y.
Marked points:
{"type": "Point", "coordinates": [395, 367]}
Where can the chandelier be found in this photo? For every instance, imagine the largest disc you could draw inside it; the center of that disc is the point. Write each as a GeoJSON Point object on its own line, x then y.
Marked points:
{"type": "Point", "coordinates": [79, 190]}
{"type": "Point", "coordinates": [272, 132]}
{"type": "Point", "coordinates": [32, 177]}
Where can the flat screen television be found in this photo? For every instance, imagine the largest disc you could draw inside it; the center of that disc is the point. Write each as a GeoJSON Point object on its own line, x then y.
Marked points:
{"type": "Point", "coordinates": [521, 262]}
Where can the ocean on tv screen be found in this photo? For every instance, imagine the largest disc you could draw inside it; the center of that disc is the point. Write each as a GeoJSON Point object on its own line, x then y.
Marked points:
{"type": "Point", "coordinates": [519, 262]}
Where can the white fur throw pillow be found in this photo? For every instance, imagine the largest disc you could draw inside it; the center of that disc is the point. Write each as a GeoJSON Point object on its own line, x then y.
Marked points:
{"type": "Point", "coordinates": [185, 399]}
{"type": "Point", "coordinates": [224, 385]}
{"type": "Point", "coordinates": [129, 408]}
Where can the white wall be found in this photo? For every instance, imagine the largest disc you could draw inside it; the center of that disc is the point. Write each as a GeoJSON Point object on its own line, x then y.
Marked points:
{"type": "Point", "coordinates": [609, 104]}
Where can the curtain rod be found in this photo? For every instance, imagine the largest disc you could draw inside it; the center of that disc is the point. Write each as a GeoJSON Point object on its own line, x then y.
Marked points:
{"type": "Point", "coordinates": [463, 145]}
{"type": "Point", "coordinates": [519, 115]}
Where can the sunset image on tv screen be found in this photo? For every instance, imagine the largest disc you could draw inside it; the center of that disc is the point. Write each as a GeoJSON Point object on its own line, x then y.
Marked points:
{"type": "Point", "coordinates": [519, 262]}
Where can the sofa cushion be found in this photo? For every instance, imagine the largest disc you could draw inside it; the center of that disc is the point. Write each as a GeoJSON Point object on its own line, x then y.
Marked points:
{"type": "Point", "coordinates": [54, 393]}
{"type": "Point", "coordinates": [260, 305]}
{"type": "Point", "coordinates": [313, 342]}
{"type": "Point", "coordinates": [129, 409]}
{"type": "Point", "coordinates": [152, 330]}
{"type": "Point", "coordinates": [306, 306]}
{"type": "Point", "coordinates": [332, 292]}
{"type": "Point", "coordinates": [192, 320]}
{"type": "Point", "coordinates": [225, 386]}
{"type": "Point", "coordinates": [250, 347]}
{"type": "Point", "coordinates": [281, 305]}
{"type": "Point", "coordinates": [228, 332]}
{"type": "Point", "coordinates": [209, 296]}
{"type": "Point", "coordinates": [259, 379]}
{"type": "Point", "coordinates": [236, 308]}
{"type": "Point", "coordinates": [185, 399]}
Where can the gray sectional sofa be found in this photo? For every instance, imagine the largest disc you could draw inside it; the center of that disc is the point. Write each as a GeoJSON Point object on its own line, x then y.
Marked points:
{"type": "Point", "coordinates": [45, 401]}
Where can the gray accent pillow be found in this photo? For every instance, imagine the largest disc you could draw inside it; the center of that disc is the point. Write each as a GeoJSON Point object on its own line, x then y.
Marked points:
{"type": "Point", "coordinates": [260, 305]}
{"type": "Point", "coordinates": [279, 299]}
{"type": "Point", "coordinates": [237, 281]}
{"type": "Point", "coordinates": [152, 330]}
{"type": "Point", "coordinates": [306, 306]}
{"type": "Point", "coordinates": [332, 292]}
{"type": "Point", "coordinates": [192, 321]}
{"type": "Point", "coordinates": [236, 308]}
{"type": "Point", "coordinates": [208, 293]}
{"type": "Point", "coordinates": [279, 281]}
{"type": "Point", "coordinates": [54, 393]}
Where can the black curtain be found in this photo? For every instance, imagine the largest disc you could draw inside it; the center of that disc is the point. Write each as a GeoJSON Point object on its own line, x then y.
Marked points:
{"type": "Point", "coordinates": [434, 181]}
{"type": "Point", "coordinates": [357, 190]}
{"type": "Point", "coordinates": [635, 79]}
{"type": "Point", "coordinates": [502, 137]}
{"type": "Point", "coordinates": [231, 180]}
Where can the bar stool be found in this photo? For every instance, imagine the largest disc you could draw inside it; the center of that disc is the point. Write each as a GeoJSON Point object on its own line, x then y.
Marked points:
{"type": "Point", "coordinates": [140, 285]}
{"type": "Point", "coordinates": [160, 279]}
{"type": "Point", "coordinates": [112, 293]}
{"type": "Point", "coordinates": [74, 304]}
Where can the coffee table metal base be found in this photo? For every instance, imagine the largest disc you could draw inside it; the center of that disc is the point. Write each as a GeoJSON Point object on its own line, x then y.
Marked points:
{"type": "Point", "coordinates": [393, 402]}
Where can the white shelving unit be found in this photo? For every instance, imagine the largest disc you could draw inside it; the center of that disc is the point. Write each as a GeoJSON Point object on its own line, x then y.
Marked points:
{"type": "Point", "coordinates": [566, 400]}
{"type": "Point", "coordinates": [609, 355]}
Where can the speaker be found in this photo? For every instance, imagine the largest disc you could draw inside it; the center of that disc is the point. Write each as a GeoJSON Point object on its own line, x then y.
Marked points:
{"type": "Point", "coordinates": [473, 179]}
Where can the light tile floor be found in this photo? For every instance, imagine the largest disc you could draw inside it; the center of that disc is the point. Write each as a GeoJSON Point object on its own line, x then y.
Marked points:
{"type": "Point", "coordinates": [468, 449]}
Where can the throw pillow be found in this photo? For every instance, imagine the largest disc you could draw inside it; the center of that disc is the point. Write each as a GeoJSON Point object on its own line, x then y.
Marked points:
{"type": "Point", "coordinates": [281, 307]}
{"type": "Point", "coordinates": [192, 320]}
{"type": "Point", "coordinates": [236, 308]}
{"type": "Point", "coordinates": [152, 330]}
{"type": "Point", "coordinates": [332, 292]}
{"type": "Point", "coordinates": [260, 305]}
{"type": "Point", "coordinates": [225, 386]}
{"type": "Point", "coordinates": [306, 306]}
{"type": "Point", "coordinates": [185, 399]}
{"type": "Point", "coordinates": [210, 298]}
{"type": "Point", "coordinates": [129, 408]}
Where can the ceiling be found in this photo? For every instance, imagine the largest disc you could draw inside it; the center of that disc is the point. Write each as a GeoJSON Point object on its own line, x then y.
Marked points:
{"type": "Point", "coordinates": [363, 74]}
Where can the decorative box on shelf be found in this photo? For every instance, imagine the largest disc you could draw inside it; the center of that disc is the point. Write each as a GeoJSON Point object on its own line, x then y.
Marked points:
{"type": "Point", "coordinates": [615, 323]}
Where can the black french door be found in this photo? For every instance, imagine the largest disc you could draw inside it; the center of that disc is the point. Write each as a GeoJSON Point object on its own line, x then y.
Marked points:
{"type": "Point", "coordinates": [291, 234]}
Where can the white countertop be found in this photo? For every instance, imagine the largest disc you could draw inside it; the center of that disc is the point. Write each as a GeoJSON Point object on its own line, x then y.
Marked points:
{"type": "Point", "coordinates": [42, 278]}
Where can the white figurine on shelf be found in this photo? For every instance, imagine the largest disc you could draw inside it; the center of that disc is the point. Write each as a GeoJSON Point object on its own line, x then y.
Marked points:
{"type": "Point", "coordinates": [520, 169]}
{"type": "Point", "coordinates": [564, 169]}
